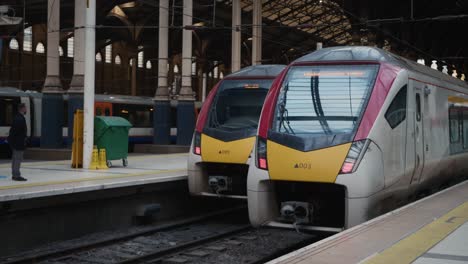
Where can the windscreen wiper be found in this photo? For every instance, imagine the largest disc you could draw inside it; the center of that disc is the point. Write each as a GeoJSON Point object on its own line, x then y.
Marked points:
{"type": "Point", "coordinates": [283, 113]}
{"type": "Point", "coordinates": [214, 115]}
{"type": "Point", "coordinates": [317, 102]}
{"type": "Point", "coordinates": [350, 99]}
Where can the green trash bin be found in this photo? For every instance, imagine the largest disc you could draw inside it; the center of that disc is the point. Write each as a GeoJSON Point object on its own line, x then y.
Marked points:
{"type": "Point", "coordinates": [111, 133]}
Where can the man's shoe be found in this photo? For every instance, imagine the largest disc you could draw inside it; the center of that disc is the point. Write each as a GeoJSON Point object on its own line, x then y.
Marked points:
{"type": "Point", "coordinates": [19, 178]}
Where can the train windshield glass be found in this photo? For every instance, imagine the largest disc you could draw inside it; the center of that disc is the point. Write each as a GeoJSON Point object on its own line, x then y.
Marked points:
{"type": "Point", "coordinates": [238, 104]}
{"type": "Point", "coordinates": [323, 100]}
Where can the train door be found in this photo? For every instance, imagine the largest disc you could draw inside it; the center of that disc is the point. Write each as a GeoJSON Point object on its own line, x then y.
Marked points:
{"type": "Point", "coordinates": [419, 144]}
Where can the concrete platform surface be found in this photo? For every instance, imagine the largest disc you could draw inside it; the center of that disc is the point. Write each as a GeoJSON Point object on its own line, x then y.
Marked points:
{"type": "Point", "coordinates": [57, 177]}
{"type": "Point", "coordinates": [431, 230]}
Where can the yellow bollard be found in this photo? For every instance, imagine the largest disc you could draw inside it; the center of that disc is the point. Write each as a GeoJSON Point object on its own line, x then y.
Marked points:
{"type": "Point", "coordinates": [102, 159]}
{"type": "Point", "coordinates": [95, 161]}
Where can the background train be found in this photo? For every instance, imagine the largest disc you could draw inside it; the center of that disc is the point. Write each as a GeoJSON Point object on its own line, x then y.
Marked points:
{"type": "Point", "coordinates": [225, 132]}
{"type": "Point", "coordinates": [138, 110]}
{"type": "Point", "coordinates": [348, 133]}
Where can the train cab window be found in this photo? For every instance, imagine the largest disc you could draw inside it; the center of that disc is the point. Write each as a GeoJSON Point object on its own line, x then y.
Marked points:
{"type": "Point", "coordinates": [8, 110]}
{"type": "Point", "coordinates": [323, 100]}
{"type": "Point", "coordinates": [396, 112]}
{"type": "Point", "coordinates": [454, 125]}
{"type": "Point", "coordinates": [238, 104]}
{"type": "Point", "coordinates": [107, 112]}
{"type": "Point", "coordinates": [418, 107]}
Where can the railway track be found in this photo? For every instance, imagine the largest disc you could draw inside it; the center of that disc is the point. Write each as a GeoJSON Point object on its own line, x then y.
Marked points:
{"type": "Point", "coordinates": [222, 237]}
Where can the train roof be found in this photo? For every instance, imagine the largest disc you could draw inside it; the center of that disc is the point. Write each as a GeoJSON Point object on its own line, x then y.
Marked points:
{"type": "Point", "coordinates": [364, 53]}
{"type": "Point", "coordinates": [110, 98]}
{"type": "Point", "coordinates": [12, 91]}
{"type": "Point", "coordinates": [142, 100]}
{"type": "Point", "coordinates": [265, 70]}
{"type": "Point", "coordinates": [114, 98]}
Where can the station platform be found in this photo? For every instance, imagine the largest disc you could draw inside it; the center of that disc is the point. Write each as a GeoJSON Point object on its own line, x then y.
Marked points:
{"type": "Point", "coordinates": [57, 177]}
{"type": "Point", "coordinates": [433, 230]}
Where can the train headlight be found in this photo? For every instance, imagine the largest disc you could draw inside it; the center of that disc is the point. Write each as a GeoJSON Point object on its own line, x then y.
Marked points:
{"type": "Point", "coordinates": [261, 154]}
{"type": "Point", "coordinates": [354, 157]}
{"type": "Point", "coordinates": [197, 143]}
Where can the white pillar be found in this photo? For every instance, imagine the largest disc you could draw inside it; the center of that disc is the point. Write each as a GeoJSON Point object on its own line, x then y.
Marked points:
{"type": "Point", "coordinates": [89, 65]}
{"type": "Point", "coordinates": [319, 45]}
{"type": "Point", "coordinates": [257, 33]}
{"type": "Point", "coordinates": [162, 92]}
{"type": "Point", "coordinates": [52, 82]}
{"type": "Point", "coordinates": [204, 87]}
{"type": "Point", "coordinates": [236, 36]}
{"type": "Point", "coordinates": [76, 85]}
{"type": "Point", "coordinates": [186, 93]}
{"type": "Point", "coordinates": [445, 69]}
{"type": "Point", "coordinates": [434, 65]}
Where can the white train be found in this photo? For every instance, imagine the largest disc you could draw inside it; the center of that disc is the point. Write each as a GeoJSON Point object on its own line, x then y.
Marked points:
{"type": "Point", "coordinates": [137, 109]}
{"type": "Point", "coordinates": [349, 133]}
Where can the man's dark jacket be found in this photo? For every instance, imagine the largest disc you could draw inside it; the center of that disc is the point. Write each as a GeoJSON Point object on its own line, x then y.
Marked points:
{"type": "Point", "coordinates": [18, 131]}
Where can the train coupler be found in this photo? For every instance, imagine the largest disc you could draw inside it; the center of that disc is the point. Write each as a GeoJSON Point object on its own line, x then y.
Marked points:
{"type": "Point", "coordinates": [296, 212]}
{"type": "Point", "coordinates": [220, 184]}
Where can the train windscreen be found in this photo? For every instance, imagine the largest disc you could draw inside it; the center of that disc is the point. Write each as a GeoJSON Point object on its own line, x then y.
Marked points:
{"type": "Point", "coordinates": [238, 104]}
{"type": "Point", "coordinates": [323, 100]}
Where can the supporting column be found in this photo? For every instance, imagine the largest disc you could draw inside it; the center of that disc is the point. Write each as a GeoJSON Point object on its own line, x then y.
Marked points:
{"type": "Point", "coordinates": [52, 98]}
{"type": "Point", "coordinates": [257, 33]}
{"type": "Point", "coordinates": [162, 107]}
{"type": "Point", "coordinates": [1, 48]}
{"type": "Point", "coordinates": [75, 98]}
{"type": "Point", "coordinates": [133, 87]}
{"type": "Point", "coordinates": [205, 76]}
{"type": "Point", "coordinates": [236, 36]}
{"type": "Point", "coordinates": [88, 124]}
{"type": "Point", "coordinates": [186, 104]}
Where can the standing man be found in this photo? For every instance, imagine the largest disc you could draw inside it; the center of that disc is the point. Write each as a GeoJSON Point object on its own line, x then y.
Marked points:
{"type": "Point", "coordinates": [17, 140]}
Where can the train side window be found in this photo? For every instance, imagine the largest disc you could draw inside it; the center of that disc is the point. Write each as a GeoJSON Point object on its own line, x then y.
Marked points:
{"type": "Point", "coordinates": [396, 112]}
{"type": "Point", "coordinates": [8, 107]}
{"type": "Point", "coordinates": [454, 125]}
{"type": "Point", "coordinates": [137, 115]}
{"type": "Point", "coordinates": [465, 129]}
{"type": "Point", "coordinates": [418, 107]}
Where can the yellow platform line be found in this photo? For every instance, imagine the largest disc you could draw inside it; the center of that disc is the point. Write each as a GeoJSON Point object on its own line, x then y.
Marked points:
{"type": "Point", "coordinates": [415, 245]}
{"type": "Point", "coordinates": [64, 162]}
{"type": "Point", "coordinates": [105, 177]}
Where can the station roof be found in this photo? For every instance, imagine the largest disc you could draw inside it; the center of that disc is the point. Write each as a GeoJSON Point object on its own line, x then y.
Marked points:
{"type": "Point", "coordinates": [428, 29]}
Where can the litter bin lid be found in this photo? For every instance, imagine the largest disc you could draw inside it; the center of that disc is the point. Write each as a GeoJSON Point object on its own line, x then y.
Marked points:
{"type": "Point", "coordinates": [103, 123]}
{"type": "Point", "coordinates": [112, 121]}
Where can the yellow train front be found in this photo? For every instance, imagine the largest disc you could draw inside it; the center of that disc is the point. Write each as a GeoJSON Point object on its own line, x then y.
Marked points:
{"type": "Point", "coordinates": [225, 132]}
